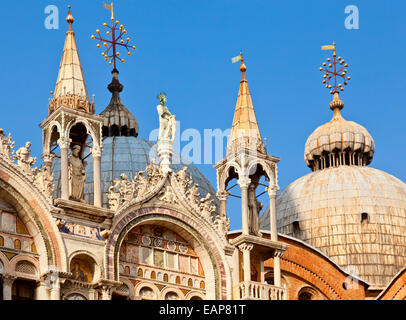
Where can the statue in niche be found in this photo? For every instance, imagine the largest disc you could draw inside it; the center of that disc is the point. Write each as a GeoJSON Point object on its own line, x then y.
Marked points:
{"type": "Point", "coordinates": [254, 208]}
{"type": "Point", "coordinates": [24, 159]}
{"type": "Point", "coordinates": [77, 175]}
{"type": "Point", "coordinates": [167, 122]}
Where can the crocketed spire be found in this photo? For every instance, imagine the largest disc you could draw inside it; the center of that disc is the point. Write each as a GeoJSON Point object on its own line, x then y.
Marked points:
{"type": "Point", "coordinates": [70, 90]}
{"type": "Point", "coordinates": [245, 131]}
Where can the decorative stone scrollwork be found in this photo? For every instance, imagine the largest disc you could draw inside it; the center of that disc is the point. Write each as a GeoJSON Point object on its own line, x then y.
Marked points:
{"type": "Point", "coordinates": [204, 205]}
{"type": "Point", "coordinates": [71, 101]}
{"type": "Point", "coordinates": [6, 145]}
{"type": "Point", "coordinates": [222, 223]}
{"type": "Point", "coordinates": [168, 196]}
{"type": "Point", "coordinates": [24, 159]}
{"type": "Point", "coordinates": [45, 180]}
{"type": "Point", "coordinates": [123, 191]}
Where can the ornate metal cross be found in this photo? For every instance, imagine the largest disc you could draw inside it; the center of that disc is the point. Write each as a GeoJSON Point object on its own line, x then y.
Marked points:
{"type": "Point", "coordinates": [331, 71]}
{"type": "Point", "coordinates": [117, 33]}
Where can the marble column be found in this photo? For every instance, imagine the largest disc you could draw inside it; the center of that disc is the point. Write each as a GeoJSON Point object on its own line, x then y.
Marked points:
{"type": "Point", "coordinates": [7, 286]}
{"type": "Point", "coordinates": [106, 293]}
{"type": "Point", "coordinates": [246, 248]}
{"type": "Point", "coordinates": [272, 212]}
{"type": "Point", "coordinates": [55, 292]}
{"type": "Point", "coordinates": [64, 144]}
{"type": "Point", "coordinates": [97, 153]}
{"type": "Point", "coordinates": [223, 196]}
{"type": "Point", "coordinates": [41, 292]}
{"type": "Point", "coordinates": [274, 233]}
{"type": "Point", "coordinates": [244, 182]}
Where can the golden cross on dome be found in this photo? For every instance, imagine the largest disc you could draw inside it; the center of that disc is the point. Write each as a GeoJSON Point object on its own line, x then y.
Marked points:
{"type": "Point", "coordinates": [117, 34]}
{"type": "Point", "coordinates": [334, 69]}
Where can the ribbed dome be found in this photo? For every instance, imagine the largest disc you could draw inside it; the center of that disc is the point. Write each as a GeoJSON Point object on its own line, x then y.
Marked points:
{"type": "Point", "coordinates": [338, 142]}
{"type": "Point", "coordinates": [127, 155]}
{"type": "Point", "coordinates": [355, 215]}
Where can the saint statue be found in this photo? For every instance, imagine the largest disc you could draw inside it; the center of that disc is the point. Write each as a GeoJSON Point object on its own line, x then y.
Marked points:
{"type": "Point", "coordinates": [254, 208]}
{"type": "Point", "coordinates": [24, 159]}
{"type": "Point", "coordinates": [167, 122]}
{"type": "Point", "coordinates": [77, 175]}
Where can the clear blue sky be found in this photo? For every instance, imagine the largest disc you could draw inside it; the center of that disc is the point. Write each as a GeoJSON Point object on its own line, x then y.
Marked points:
{"type": "Point", "coordinates": [184, 49]}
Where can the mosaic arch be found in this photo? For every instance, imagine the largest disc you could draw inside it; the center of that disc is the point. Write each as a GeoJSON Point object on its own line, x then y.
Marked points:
{"type": "Point", "coordinates": [157, 255]}
{"type": "Point", "coordinates": [26, 225]}
{"type": "Point", "coordinates": [167, 248]}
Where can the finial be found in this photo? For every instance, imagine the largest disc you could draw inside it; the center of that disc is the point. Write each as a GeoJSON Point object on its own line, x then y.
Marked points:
{"type": "Point", "coordinates": [115, 39]}
{"type": "Point", "coordinates": [334, 69]}
{"type": "Point", "coordinates": [70, 19]}
{"type": "Point", "coordinates": [243, 68]}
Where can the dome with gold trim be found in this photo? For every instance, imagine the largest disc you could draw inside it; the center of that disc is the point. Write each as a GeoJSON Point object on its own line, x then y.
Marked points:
{"type": "Point", "coordinates": [353, 213]}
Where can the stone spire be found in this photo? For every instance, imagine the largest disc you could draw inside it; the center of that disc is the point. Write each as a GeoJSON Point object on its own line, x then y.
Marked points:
{"type": "Point", "coordinates": [70, 90]}
{"type": "Point", "coordinates": [245, 132]}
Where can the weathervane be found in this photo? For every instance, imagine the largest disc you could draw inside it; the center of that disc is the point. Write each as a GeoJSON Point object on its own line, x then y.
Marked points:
{"type": "Point", "coordinates": [117, 33]}
{"type": "Point", "coordinates": [331, 71]}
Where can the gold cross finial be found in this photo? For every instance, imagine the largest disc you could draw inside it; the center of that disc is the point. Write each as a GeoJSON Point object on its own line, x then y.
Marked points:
{"type": "Point", "coordinates": [117, 33]}
{"type": "Point", "coordinates": [334, 69]}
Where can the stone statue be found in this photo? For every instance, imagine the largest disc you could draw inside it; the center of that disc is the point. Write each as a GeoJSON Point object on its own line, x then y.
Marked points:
{"type": "Point", "coordinates": [24, 159]}
{"type": "Point", "coordinates": [254, 208]}
{"type": "Point", "coordinates": [167, 122]}
{"type": "Point", "coordinates": [6, 145]}
{"type": "Point", "coordinates": [153, 173]}
{"type": "Point", "coordinates": [184, 179]}
{"type": "Point", "coordinates": [77, 175]}
{"type": "Point", "coordinates": [206, 206]}
{"type": "Point", "coordinates": [45, 180]}
{"type": "Point", "coordinates": [193, 195]}
{"type": "Point", "coordinates": [222, 223]}
{"type": "Point", "coordinates": [125, 193]}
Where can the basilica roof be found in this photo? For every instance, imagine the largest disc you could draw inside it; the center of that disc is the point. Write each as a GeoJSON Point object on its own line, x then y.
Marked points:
{"type": "Point", "coordinates": [353, 213]}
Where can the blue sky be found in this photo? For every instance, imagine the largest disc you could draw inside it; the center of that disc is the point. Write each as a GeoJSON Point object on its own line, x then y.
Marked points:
{"type": "Point", "coordinates": [184, 49]}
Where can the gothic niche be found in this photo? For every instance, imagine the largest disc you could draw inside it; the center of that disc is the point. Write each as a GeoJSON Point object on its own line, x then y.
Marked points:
{"type": "Point", "coordinates": [76, 163]}
{"type": "Point", "coordinates": [159, 257]}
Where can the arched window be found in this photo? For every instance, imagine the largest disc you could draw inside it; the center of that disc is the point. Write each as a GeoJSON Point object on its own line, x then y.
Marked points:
{"type": "Point", "coordinates": [305, 296]}
{"type": "Point", "coordinates": [153, 275]}
{"type": "Point", "coordinates": [166, 278]}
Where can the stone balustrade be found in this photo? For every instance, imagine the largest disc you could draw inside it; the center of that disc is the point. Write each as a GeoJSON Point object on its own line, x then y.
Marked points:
{"type": "Point", "coordinates": [260, 291]}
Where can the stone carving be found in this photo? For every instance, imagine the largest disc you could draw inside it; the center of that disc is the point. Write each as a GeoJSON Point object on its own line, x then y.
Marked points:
{"type": "Point", "coordinates": [6, 145]}
{"type": "Point", "coordinates": [125, 193]}
{"type": "Point", "coordinates": [154, 175]}
{"type": "Point", "coordinates": [184, 179]}
{"type": "Point", "coordinates": [44, 178]}
{"type": "Point", "coordinates": [167, 122]}
{"type": "Point", "coordinates": [24, 159]}
{"type": "Point", "coordinates": [222, 223]}
{"type": "Point", "coordinates": [168, 196]}
{"type": "Point", "coordinates": [77, 175]}
{"type": "Point", "coordinates": [206, 206]}
{"type": "Point", "coordinates": [254, 208]}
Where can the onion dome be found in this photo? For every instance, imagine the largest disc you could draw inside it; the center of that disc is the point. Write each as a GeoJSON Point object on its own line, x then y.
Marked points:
{"type": "Point", "coordinates": [118, 121]}
{"type": "Point", "coordinates": [338, 142]}
{"type": "Point", "coordinates": [355, 215]}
